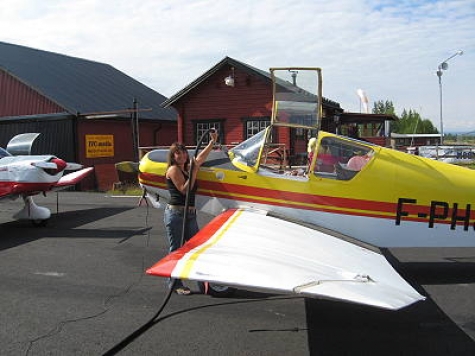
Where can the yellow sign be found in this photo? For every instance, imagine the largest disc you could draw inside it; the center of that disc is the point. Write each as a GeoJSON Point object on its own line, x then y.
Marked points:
{"type": "Point", "coordinates": [99, 146]}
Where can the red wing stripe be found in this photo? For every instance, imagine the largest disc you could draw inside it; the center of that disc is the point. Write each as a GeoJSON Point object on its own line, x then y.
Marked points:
{"type": "Point", "coordinates": [165, 266]}
{"type": "Point", "coordinates": [258, 194]}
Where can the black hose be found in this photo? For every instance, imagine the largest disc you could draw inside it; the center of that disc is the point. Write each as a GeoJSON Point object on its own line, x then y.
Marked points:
{"type": "Point", "coordinates": [119, 346]}
{"type": "Point", "coordinates": [188, 189]}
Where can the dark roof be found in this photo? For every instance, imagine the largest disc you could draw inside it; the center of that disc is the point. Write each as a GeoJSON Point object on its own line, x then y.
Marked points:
{"type": "Point", "coordinates": [79, 85]}
{"type": "Point", "coordinates": [236, 64]}
{"type": "Point", "coordinates": [39, 117]}
{"type": "Point", "coordinates": [353, 117]}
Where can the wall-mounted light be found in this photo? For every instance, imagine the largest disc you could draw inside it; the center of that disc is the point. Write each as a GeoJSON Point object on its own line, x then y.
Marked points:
{"type": "Point", "coordinates": [336, 120]}
{"type": "Point", "coordinates": [229, 80]}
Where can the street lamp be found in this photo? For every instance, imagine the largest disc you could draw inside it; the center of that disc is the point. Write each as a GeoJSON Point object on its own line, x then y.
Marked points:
{"type": "Point", "coordinates": [444, 66]}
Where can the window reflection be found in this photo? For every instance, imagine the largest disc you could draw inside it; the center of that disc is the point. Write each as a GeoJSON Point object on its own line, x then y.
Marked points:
{"type": "Point", "coordinates": [3, 153]}
{"type": "Point", "coordinates": [247, 152]}
{"type": "Point", "coordinates": [340, 159]}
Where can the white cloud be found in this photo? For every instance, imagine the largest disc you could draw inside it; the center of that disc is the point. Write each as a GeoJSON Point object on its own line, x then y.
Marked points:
{"type": "Point", "coordinates": [389, 48]}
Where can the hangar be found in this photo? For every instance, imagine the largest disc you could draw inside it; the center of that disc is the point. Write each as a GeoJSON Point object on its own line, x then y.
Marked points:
{"type": "Point", "coordinates": [86, 111]}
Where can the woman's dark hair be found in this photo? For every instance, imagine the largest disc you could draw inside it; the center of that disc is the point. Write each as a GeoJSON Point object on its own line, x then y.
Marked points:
{"type": "Point", "coordinates": [176, 147]}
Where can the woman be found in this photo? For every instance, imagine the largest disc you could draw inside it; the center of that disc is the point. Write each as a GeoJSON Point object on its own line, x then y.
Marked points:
{"type": "Point", "coordinates": [178, 181]}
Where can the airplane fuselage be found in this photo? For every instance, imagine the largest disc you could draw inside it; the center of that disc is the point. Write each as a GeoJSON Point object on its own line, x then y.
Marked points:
{"type": "Point", "coordinates": [396, 200]}
{"type": "Point", "coordinates": [25, 175]}
{"type": "Point", "coordinates": [18, 175]}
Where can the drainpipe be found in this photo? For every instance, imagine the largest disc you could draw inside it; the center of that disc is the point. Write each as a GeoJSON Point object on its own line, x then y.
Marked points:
{"type": "Point", "coordinates": [181, 126]}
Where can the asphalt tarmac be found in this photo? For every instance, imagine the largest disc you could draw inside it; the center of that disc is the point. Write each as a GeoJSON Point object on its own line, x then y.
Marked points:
{"type": "Point", "coordinates": [77, 287]}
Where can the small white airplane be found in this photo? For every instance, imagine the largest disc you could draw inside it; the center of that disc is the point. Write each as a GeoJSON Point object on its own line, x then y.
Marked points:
{"type": "Point", "coordinates": [316, 234]}
{"type": "Point", "coordinates": [25, 175]}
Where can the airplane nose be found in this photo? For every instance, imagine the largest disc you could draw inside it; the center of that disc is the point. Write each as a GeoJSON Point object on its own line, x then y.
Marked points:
{"type": "Point", "coordinates": [52, 166]}
{"type": "Point", "coordinates": [60, 164]}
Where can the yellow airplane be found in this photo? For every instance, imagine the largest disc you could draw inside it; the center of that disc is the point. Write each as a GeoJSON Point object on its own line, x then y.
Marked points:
{"type": "Point", "coordinates": [316, 230]}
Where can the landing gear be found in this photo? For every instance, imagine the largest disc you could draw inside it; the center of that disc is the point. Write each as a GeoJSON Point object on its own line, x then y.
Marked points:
{"type": "Point", "coordinates": [38, 215]}
{"type": "Point", "coordinates": [216, 290]}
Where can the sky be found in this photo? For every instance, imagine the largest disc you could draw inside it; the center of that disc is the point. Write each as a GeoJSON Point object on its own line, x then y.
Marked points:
{"type": "Point", "coordinates": [391, 49]}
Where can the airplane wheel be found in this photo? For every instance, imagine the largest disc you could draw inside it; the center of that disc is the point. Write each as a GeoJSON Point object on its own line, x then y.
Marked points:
{"type": "Point", "coordinates": [39, 223]}
{"type": "Point", "coordinates": [216, 290]}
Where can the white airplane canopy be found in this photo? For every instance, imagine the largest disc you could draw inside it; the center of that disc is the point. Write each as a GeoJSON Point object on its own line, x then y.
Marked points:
{"type": "Point", "coordinates": [21, 144]}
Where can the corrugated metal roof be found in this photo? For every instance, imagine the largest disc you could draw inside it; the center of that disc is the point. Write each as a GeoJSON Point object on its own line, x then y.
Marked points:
{"type": "Point", "coordinates": [79, 85]}
{"type": "Point", "coordinates": [235, 63]}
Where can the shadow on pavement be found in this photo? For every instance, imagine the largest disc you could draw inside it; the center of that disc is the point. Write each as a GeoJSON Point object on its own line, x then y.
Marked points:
{"type": "Point", "coordinates": [337, 328]}
{"type": "Point", "coordinates": [65, 225]}
{"type": "Point", "coordinates": [421, 329]}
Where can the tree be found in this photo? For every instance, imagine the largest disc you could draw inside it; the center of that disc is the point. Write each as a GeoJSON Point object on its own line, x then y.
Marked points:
{"type": "Point", "coordinates": [381, 107]}
{"type": "Point", "coordinates": [410, 121]}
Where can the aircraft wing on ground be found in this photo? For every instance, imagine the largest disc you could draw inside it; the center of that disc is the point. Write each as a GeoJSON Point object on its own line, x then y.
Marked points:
{"type": "Point", "coordinates": [245, 248]}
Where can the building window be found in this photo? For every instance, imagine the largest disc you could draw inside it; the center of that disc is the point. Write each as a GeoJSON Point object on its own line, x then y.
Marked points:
{"type": "Point", "coordinates": [202, 126]}
{"type": "Point", "coordinates": [300, 133]}
{"type": "Point", "coordinates": [254, 125]}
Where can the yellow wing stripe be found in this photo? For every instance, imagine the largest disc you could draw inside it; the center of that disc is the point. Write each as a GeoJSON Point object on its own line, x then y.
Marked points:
{"type": "Point", "coordinates": [187, 268]}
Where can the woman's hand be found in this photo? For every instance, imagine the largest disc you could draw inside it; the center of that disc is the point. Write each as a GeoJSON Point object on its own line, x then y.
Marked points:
{"type": "Point", "coordinates": [204, 154]}
{"type": "Point", "coordinates": [214, 136]}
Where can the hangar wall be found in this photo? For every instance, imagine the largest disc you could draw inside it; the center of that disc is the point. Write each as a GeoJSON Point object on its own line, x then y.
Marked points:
{"type": "Point", "coordinates": [57, 137]}
{"type": "Point", "coordinates": [19, 99]}
{"type": "Point", "coordinates": [103, 143]}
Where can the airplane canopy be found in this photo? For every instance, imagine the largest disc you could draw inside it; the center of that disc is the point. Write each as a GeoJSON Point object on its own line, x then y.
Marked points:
{"type": "Point", "coordinates": [297, 103]}
{"type": "Point", "coordinates": [246, 155]}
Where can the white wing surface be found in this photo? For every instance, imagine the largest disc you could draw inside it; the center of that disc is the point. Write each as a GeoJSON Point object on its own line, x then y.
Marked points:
{"type": "Point", "coordinates": [73, 178]}
{"type": "Point", "coordinates": [243, 248]}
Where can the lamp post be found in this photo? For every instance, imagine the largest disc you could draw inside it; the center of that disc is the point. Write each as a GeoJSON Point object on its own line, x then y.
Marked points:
{"type": "Point", "coordinates": [444, 66]}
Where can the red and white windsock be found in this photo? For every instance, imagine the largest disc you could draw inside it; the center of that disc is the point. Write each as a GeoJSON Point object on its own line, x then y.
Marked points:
{"type": "Point", "coordinates": [364, 100]}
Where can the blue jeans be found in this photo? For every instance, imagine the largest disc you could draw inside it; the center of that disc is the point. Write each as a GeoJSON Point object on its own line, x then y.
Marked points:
{"type": "Point", "coordinates": [173, 220]}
